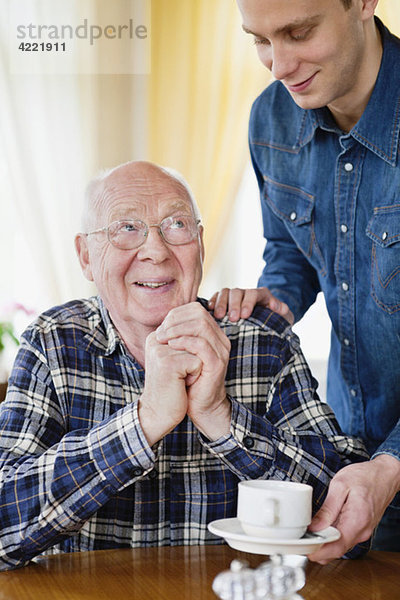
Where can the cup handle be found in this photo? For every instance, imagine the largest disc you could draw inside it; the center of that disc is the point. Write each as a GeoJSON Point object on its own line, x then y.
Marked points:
{"type": "Point", "coordinates": [271, 513]}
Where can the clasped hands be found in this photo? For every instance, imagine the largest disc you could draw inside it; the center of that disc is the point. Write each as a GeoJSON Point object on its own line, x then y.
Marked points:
{"type": "Point", "coordinates": [185, 361]}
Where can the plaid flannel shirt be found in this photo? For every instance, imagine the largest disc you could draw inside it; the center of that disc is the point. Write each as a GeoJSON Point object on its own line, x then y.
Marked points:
{"type": "Point", "coordinates": [77, 473]}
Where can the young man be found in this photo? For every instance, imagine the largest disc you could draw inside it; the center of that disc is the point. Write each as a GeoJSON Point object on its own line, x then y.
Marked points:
{"type": "Point", "coordinates": [131, 417]}
{"type": "Point", "coordinates": [324, 140]}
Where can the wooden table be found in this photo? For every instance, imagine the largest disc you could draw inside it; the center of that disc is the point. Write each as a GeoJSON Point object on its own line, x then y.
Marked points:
{"type": "Point", "coordinates": [186, 573]}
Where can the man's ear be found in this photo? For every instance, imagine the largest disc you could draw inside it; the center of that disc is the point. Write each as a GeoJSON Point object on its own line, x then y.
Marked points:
{"type": "Point", "coordinates": [82, 250]}
{"type": "Point", "coordinates": [368, 8]}
{"type": "Point", "coordinates": [201, 241]}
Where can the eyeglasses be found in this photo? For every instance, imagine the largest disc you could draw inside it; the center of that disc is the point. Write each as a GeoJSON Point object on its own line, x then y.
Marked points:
{"type": "Point", "coordinates": [132, 233]}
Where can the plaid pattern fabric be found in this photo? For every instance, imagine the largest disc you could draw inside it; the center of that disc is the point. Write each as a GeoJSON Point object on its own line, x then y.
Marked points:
{"type": "Point", "coordinates": [76, 472]}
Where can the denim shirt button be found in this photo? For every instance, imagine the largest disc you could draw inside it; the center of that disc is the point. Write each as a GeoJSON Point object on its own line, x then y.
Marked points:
{"type": "Point", "coordinates": [384, 235]}
{"type": "Point", "coordinates": [344, 228]}
{"type": "Point", "coordinates": [345, 286]}
{"type": "Point", "coordinates": [293, 216]}
{"type": "Point", "coordinates": [346, 342]}
{"type": "Point", "coordinates": [353, 393]}
{"type": "Point", "coordinates": [348, 167]}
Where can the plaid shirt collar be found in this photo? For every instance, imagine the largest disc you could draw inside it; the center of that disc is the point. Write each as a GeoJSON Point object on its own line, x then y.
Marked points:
{"type": "Point", "coordinates": [103, 338]}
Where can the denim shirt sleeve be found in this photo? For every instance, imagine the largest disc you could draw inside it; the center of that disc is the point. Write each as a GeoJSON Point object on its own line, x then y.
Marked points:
{"type": "Point", "coordinates": [392, 443]}
{"type": "Point", "coordinates": [287, 272]}
{"type": "Point", "coordinates": [391, 446]}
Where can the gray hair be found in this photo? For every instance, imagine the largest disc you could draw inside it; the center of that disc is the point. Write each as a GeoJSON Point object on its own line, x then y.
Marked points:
{"type": "Point", "coordinates": [95, 188]}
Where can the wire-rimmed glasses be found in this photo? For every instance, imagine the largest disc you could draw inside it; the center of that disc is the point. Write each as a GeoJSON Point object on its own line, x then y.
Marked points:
{"type": "Point", "coordinates": [128, 234]}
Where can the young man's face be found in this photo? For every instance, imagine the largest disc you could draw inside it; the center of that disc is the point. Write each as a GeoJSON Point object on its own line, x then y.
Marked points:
{"type": "Point", "coordinates": [316, 48]}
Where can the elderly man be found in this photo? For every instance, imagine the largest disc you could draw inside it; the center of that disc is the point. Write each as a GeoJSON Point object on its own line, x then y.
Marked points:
{"type": "Point", "coordinates": [132, 416]}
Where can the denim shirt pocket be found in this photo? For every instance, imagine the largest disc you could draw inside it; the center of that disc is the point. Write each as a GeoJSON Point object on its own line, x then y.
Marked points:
{"type": "Point", "coordinates": [295, 208]}
{"type": "Point", "coordinates": [384, 230]}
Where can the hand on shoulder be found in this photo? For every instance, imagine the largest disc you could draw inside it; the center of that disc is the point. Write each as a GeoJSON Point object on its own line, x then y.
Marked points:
{"type": "Point", "coordinates": [239, 303]}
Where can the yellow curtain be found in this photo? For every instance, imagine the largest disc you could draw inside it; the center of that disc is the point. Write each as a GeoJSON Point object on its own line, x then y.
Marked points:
{"type": "Point", "coordinates": [204, 77]}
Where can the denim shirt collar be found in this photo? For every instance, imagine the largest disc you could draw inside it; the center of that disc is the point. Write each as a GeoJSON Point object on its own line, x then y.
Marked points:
{"type": "Point", "coordinates": [379, 127]}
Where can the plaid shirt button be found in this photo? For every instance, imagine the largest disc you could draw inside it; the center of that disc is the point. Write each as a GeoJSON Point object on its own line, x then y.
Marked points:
{"type": "Point", "coordinates": [137, 471]}
{"type": "Point", "coordinates": [248, 442]}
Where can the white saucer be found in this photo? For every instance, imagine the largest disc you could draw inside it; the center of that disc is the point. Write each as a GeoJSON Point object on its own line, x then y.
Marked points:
{"type": "Point", "coordinates": [232, 532]}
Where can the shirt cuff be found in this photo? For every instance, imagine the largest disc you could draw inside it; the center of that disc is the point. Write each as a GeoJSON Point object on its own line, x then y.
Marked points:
{"type": "Point", "coordinates": [120, 449]}
{"type": "Point", "coordinates": [248, 449]}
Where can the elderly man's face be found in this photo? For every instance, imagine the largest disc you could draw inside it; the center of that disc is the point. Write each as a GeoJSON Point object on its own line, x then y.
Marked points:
{"type": "Point", "coordinates": [140, 286]}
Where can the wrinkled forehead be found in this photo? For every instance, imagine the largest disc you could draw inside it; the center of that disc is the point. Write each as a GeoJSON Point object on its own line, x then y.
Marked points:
{"type": "Point", "coordinates": [139, 193]}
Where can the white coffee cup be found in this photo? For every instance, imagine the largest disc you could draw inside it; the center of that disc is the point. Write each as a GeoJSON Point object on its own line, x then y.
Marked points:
{"type": "Point", "coordinates": [274, 509]}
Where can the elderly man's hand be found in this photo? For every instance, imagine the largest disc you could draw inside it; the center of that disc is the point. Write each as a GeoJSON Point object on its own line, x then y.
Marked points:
{"type": "Point", "coordinates": [164, 402]}
{"type": "Point", "coordinates": [358, 496]}
{"type": "Point", "coordinates": [191, 329]}
{"type": "Point", "coordinates": [239, 303]}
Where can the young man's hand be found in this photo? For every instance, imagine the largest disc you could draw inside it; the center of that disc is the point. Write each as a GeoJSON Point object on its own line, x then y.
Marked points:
{"type": "Point", "coordinates": [358, 496]}
{"type": "Point", "coordinates": [239, 304]}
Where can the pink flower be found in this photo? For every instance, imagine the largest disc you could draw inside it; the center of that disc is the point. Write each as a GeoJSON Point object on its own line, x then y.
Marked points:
{"type": "Point", "coordinates": [13, 307]}
{"type": "Point", "coordinates": [28, 311]}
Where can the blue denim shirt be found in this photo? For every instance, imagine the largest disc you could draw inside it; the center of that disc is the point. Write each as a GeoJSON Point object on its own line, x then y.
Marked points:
{"type": "Point", "coordinates": [331, 211]}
